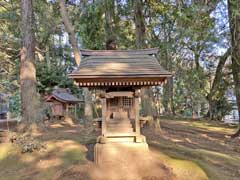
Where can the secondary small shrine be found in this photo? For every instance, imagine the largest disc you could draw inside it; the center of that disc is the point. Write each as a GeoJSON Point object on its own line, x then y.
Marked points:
{"type": "Point", "coordinates": [62, 103]}
{"type": "Point", "coordinates": [119, 76]}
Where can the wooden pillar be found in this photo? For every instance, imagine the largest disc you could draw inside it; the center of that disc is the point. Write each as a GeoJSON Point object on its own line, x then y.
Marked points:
{"type": "Point", "coordinates": [67, 110]}
{"type": "Point", "coordinates": [137, 122]}
{"type": "Point", "coordinates": [75, 110]}
{"type": "Point", "coordinates": [104, 115]}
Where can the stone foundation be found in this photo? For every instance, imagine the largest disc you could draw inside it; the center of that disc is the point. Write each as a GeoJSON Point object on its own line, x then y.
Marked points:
{"type": "Point", "coordinates": [121, 153]}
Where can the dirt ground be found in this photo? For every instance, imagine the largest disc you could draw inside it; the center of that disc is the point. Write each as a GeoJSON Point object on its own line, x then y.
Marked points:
{"type": "Point", "coordinates": [206, 143]}
{"type": "Point", "coordinates": [185, 150]}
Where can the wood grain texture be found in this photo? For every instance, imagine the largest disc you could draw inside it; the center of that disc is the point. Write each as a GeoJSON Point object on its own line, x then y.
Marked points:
{"type": "Point", "coordinates": [119, 65]}
{"type": "Point", "coordinates": [120, 70]}
{"type": "Point", "coordinates": [150, 51]}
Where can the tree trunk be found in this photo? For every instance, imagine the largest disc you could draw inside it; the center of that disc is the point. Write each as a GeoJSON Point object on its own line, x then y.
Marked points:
{"type": "Point", "coordinates": [147, 103]}
{"type": "Point", "coordinates": [140, 43]}
{"type": "Point", "coordinates": [139, 24]}
{"type": "Point", "coordinates": [88, 112]}
{"type": "Point", "coordinates": [234, 22]}
{"type": "Point", "coordinates": [156, 119]}
{"type": "Point", "coordinates": [168, 97]}
{"type": "Point", "coordinates": [157, 126]}
{"type": "Point", "coordinates": [147, 100]}
{"type": "Point", "coordinates": [196, 59]}
{"type": "Point", "coordinates": [70, 29]}
{"type": "Point", "coordinates": [109, 27]}
{"type": "Point", "coordinates": [29, 100]}
{"type": "Point", "coordinates": [216, 81]}
{"type": "Point", "coordinates": [168, 91]}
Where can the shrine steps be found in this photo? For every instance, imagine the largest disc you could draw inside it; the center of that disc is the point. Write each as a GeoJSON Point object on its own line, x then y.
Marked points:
{"type": "Point", "coordinates": [120, 130]}
{"type": "Point", "coordinates": [116, 123]}
{"type": "Point", "coordinates": [119, 126]}
{"type": "Point", "coordinates": [120, 134]}
{"type": "Point", "coordinates": [117, 139]}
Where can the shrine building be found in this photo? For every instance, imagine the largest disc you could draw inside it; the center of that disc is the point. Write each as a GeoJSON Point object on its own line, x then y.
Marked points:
{"type": "Point", "coordinates": [119, 76]}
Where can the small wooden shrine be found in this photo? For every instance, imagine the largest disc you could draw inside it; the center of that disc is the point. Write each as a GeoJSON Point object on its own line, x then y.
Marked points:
{"type": "Point", "coordinates": [119, 76]}
{"type": "Point", "coordinates": [62, 103]}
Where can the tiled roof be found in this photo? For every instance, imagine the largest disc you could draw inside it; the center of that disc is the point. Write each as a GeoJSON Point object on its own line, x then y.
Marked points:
{"type": "Point", "coordinates": [63, 95]}
{"type": "Point", "coordinates": [106, 67]}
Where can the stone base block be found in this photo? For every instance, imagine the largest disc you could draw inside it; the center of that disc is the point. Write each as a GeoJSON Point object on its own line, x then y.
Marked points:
{"type": "Point", "coordinates": [119, 153]}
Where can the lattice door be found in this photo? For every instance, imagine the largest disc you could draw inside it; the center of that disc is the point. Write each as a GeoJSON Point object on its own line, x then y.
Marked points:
{"type": "Point", "coordinates": [127, 104]}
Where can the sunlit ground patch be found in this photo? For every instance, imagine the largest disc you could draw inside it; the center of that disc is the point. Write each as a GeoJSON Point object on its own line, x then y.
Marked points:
{"type": "Point", "coordinates": [183, 169]}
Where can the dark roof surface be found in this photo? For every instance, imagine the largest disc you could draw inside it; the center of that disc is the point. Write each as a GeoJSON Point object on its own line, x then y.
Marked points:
{"type": "Point", "coordinates": [150, 51]}
{"type": "Point", "coordinates": [119, 66]}
{"type": "Point", "coordinates": [112, 67]}
{"type": "Point", "coordinates": [63, 95]}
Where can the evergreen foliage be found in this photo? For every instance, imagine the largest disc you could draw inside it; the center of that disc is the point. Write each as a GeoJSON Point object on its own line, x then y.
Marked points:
{"type": "Point", "coordinates": [191, 35]}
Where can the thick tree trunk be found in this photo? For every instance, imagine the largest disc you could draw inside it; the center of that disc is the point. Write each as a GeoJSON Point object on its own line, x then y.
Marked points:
{"type": "Point", "coordinates": [139, 24]}
{"type": "Point", "coordinates": [168, 91]}
{"type": "Point", "coordinates": [70, 29]}
{"type": "Point", "coordinates": [109, 27]}
{"type": "Point", "coordinates": [140, 43]}
{"type": "Point", "coordinates": [147, 100]}
{"type": "Point", "coordinates": [216, 81]}
{"type": "Point", "coordinates": [88, 111]}
{"type": "Point", "coordinates": [168, 97]}
{"type": "Point", "coordinates": [234, 21]}
{"type": "Point", "coordinates": [147, 103]}
{"type": "Point", "coordinates": [156, 119]}
{"type": "Point", "coordinates": [29, 100]}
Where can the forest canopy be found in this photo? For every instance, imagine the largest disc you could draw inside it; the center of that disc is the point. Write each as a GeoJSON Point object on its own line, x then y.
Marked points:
{"type": "Point", "coordinates": [195, 38]}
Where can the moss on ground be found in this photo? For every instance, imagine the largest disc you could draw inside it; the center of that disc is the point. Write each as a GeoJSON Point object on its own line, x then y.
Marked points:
{"type": "Point", "coordinates": [183, 169]}
{"type": "Point", "coordinates": [214, 153]}
{"type": "Point", "coordinates": [67, 147]}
